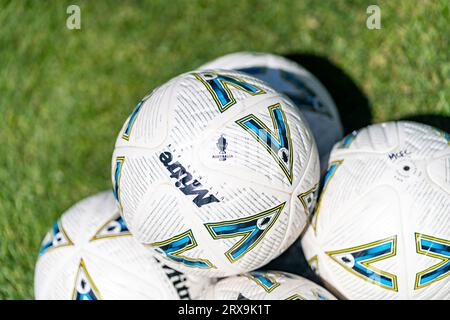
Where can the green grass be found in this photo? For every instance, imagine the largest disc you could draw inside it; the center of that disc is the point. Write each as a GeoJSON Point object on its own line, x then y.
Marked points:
{"type": "Point", "coordinates": [65, 94]}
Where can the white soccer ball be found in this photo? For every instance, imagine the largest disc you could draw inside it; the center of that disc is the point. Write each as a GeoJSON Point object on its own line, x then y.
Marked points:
{"type": "Point", "coordinates": [217, 171]}
{"type": "Point", "coordinates": [267, 285]}
{"type": "Point", "coordinates": [382, 227]}
{"type": "Point", "coordinates": [299, 85]}
{"type": "Point", "coordinates": [89, 254]}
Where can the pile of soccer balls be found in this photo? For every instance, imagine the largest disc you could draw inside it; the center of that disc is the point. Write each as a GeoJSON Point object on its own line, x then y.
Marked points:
{"type": "Point", "coordinates": [218, 171]}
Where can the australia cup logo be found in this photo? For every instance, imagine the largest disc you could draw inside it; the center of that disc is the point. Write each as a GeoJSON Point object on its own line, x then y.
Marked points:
{"type": "Point", "coordinates": [222, 145]}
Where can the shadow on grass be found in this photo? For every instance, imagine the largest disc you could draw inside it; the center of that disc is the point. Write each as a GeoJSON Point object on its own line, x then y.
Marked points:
{"type": "Point", "coordinates": [353, 105]}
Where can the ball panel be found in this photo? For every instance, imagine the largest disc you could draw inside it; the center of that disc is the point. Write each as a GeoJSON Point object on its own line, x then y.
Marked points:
{"type": "Point", "coordinates": [148, 124]}
{"type": "Point", "coordinates": [382, 189]}
{"type": "Point", "coordinates": [183, 184]}
{"type": "Point", "coordinates": [105, 261]}
{"type": "Point", "coordinates": [269, 285]}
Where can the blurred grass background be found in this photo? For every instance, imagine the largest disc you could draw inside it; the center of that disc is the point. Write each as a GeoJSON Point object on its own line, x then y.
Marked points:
{"type": "Point", "coordinates": [64, 94]}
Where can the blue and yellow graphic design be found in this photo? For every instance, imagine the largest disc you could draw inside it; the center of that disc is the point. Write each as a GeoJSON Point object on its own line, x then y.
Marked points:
{"type": "Point", "coordinates": [316, 293]}
{"type": "Point", "coordinates": [303, 96]}
{"type": "Point", "coordinates": [265, 280]}
{"type": "Point", "coordinates": [295, 297]}
{"type": "Point", "coordinates": [85, 288]}
{"type": "Point", "coordinates": [175, 246]}
{"type": "Point", "coordinates": [115, 227]}
{"type": "Point", "coordinates": [127, 131]}
{"type": "Point", "coordinates": [319, 295]}
{"type": "Point", "coordinates": [314, 264]}
{"type": "Point", "coordinates": [219, 87]}
{"type": "Point", "coordinates": [56, 237]}
{"type": "Point", "coordinates": [277, 142]}
{"type": "Point", "coordinates": [330, 173]}
{"type": "Point", "coordinates": [358, 261]}
{"type": "Point", "coordinates": [116, 182]}
{"type": "Point", "coordinates": [347, 140]}
{"type": "Point", "coordinates": [447, 137]}
{"type": "Point", "coordinates": [309, 201]}
{"type": "Point", "coordinates": [252, 230]}
{"type": "Point", "coordinates": [292, 85]}
{"type": "Point", "coordinates": [434, 248]}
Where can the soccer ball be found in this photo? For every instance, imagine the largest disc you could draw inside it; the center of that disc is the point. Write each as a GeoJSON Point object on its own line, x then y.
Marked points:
{"type": "Point", "coordinates": [216, 171]}
{"type": "Point", "coordinates": [299, 85]}
{"type": "Point", "coordinates": [382, 227]}
{"type": "Point", "coordinates": [267, 285]}
{"type": "Point", "coordinates": [89, 254]}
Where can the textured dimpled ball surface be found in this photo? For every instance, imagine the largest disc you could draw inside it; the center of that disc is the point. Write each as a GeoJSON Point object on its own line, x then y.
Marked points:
{"type": "Point", "coordinates": [209, 168]}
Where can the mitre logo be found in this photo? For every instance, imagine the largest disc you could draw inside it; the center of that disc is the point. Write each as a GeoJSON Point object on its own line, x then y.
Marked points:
{"type": "Point", "coordinates": [185, 181]}
{"type": "Point", "coordinates": [178, 280]}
